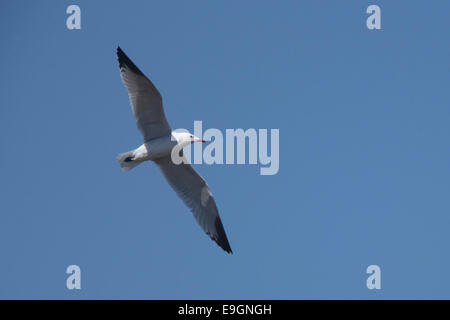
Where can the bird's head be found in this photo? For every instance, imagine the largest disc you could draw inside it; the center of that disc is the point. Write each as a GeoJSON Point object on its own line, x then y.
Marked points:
{"type": "Point", "coordinates": [186, 138]}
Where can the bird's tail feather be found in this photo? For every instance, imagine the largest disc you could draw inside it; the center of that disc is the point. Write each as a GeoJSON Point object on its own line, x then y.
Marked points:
{"type": "Point", "coordinates": [126, 160]}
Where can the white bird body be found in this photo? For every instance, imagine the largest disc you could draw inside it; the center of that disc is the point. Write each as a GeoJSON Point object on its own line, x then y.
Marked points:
{"type": "Point", "coordinates": [154, 149]}
{"type": "Point", "coordinates": [158, 146]}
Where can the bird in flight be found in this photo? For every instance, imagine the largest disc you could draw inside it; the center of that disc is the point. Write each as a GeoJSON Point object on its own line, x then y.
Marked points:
{"type": "Point", "coordinates": [158, 146]}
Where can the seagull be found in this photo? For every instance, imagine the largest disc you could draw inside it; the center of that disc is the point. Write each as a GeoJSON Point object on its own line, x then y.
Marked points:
{"type": "Point", "coordinates": [159, 143]}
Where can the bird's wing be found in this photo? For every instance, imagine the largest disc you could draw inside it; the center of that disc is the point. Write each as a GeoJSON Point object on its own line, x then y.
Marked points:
{"type": "Point", "coordinates": [145, 99]}
{"type": "Point", "coordinates": [195, 193]}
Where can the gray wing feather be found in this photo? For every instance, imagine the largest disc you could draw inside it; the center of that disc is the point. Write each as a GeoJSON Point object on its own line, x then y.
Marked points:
{"type": "Point", "coordinates": [195, 193]}
{"type": "Point", "coordinates": [145, 99]}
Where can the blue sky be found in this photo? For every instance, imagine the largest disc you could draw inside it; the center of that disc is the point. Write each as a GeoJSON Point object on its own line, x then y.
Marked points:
{"type": "Point", "coordinates": [364, 149]}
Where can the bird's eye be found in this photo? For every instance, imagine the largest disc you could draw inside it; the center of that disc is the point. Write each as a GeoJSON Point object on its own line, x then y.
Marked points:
{"type": "Point", "coordinates": [192, 136]}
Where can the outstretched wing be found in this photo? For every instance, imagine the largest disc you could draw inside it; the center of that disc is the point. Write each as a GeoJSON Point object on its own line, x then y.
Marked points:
{"type": "Point", "coordinates": [195, 193]}
{"type": "Point", "coordinates": [145, 99]}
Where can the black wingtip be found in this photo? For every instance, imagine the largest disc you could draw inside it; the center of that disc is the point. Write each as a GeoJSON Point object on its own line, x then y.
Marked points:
{"type": "Point", "coordinates": [222, 240]}
{"type": "Point", "coordinates": [124, 61]}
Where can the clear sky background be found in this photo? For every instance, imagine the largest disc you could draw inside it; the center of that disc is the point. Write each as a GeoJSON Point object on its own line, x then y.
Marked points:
{"type": "Point", "coordinates": [364, 149]}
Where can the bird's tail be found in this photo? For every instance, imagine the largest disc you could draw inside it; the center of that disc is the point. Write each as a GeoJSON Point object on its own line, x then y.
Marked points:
{"type": "Point", "coordinates": [126, 160]}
